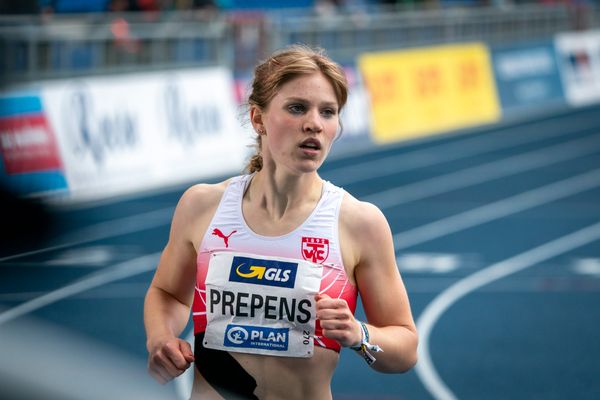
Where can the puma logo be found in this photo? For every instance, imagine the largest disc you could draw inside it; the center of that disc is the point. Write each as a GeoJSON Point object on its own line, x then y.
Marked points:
{"type": "Point", "coordinates": [217, 232]}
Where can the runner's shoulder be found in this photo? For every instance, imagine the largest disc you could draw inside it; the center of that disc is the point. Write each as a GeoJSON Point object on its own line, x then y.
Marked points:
{"type": "Point", "coordinates": [201, 198]}
{"type": "Point", "coordinates": [362, 219]}
{"type": "Point", "coordinates": [355, 211]}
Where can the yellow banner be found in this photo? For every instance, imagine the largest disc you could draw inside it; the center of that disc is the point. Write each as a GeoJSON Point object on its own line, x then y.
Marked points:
{"type": "Point", "coordinates": [428, 90]}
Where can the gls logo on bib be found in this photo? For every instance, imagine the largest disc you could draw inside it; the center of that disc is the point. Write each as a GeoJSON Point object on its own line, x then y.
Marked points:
{"type": "Point", "coordinates": [263, 272]}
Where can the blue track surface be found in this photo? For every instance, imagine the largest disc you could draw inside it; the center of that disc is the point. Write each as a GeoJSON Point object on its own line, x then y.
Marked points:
{"type": "Point", "coordinates": [498, 241]}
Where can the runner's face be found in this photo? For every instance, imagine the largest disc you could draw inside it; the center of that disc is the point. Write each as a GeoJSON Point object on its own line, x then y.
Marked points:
{"type": "Point", "coordinates": [301, 122]}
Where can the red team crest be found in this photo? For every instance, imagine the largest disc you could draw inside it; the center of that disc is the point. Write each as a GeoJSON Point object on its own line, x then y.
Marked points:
{"type": "Point", "coordinates": [315, 249]}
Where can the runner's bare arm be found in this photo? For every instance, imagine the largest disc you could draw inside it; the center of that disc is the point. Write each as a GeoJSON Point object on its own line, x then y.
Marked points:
{"type": "Point", "coordinates": [384, 297]}
{"type": "Point", "coordinates": [169, 298]}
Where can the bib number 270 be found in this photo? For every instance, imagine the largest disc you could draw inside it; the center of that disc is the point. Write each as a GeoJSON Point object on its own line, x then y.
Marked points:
{"type": "Point", "coordinates": [305, 337]}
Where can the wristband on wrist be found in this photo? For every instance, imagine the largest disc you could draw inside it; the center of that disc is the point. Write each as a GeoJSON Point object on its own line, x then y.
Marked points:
{"type": "Point", "coordinates": [364, 346]}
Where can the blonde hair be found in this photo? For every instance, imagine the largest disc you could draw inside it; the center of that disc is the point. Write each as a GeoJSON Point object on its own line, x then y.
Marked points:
{"type": "Point", "coordinates": [283, 66]}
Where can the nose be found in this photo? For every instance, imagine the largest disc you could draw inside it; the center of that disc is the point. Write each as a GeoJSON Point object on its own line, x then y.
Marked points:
{"type": "Point", "coordinates": [313, 122]}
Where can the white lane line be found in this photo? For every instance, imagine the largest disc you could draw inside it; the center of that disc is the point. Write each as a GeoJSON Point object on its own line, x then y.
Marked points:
{"type": "Point", "coordinates": [498, 209]}
{"type": "Point", "coordinates": [485, 172]}
{"type": "Point", "coordinates": [119, 271]}
{"type": "Point", "coordinates": [445, 152]}
{"type": "Point", "coordinates": [131, 223]}
{"type": "Point", "coordinates": [104, 230]}
{"type": "Point", "coordinates": [432, 313]}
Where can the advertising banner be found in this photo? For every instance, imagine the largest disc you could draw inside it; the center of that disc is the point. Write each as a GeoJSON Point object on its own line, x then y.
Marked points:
{"type": "Point", "coordinates": [579, 62]}
{"type": "Point", "coordinates": [429, 90]}
{"type": "Point", "coordinates": [127, 133]}
{"type": "Point", "coordinates": [527, 76]}
{"type": "Point", "coordinates": [30, 158]}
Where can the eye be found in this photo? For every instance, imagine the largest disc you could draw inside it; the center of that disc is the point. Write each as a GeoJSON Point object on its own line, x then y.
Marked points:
{"type": "Point", "coordinates": [329, 112]}
{"type": "Point", "coordinates": [296, 108]}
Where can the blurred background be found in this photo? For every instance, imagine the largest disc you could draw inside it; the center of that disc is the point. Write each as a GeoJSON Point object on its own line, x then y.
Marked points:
{"type": "Point", "coordinates": [474, 125]}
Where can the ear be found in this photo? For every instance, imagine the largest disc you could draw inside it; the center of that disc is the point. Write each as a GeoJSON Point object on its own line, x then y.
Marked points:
{"type": "Point", "coordinates": [256, 118]}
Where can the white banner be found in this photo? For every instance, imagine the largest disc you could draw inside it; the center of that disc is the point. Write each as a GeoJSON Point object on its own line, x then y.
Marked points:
{"type": "Point", "coordinates": [579, 62]}
{"type": "Point", "coordinates": [122, 134]}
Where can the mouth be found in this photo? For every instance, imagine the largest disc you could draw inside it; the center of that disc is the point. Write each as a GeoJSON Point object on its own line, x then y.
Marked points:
{"type": "Point", "coordinates": [311, 145]}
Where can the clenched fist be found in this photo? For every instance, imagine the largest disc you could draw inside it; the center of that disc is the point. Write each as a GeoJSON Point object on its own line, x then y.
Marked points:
{"type": "Point", "coordinates": [169, 358]}
{"type": "Point", "coordinates": [337, 321]}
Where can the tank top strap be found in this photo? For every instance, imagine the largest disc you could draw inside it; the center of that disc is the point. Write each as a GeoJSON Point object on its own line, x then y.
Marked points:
{"type": "Point", "coordinates": [229, 207]}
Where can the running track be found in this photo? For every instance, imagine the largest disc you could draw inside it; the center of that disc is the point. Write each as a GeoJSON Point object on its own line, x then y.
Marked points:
{"type": "Point", "coordinates": [497, 232]}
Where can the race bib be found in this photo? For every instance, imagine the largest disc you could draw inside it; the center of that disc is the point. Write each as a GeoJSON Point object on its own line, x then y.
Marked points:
{"type": "Point", "coordinates": [261, 305]}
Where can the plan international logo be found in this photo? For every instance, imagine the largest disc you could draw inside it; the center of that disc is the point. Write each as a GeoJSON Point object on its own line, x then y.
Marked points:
{"type": "Point", "coordinates": [256, 337]}
{"type": "Point", "coordinates": [263, 272]}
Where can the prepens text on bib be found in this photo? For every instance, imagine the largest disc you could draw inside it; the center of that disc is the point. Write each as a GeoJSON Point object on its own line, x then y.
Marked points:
{"type": "Point", "coordinates": [261, 305]}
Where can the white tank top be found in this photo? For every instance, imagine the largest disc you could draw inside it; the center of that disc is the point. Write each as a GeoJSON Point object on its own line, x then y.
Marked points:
{"type": "Point", "coordinates": [315, 240]}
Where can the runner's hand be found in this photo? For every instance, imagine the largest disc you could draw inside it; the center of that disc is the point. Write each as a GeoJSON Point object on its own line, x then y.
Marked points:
{"type": "Point", "coordinates": [337, 321]}
{"type": "Point", "coordinates": [169, 358]}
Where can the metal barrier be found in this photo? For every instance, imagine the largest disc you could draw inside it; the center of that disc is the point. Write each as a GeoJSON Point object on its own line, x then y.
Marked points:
{"type": "Point", "coordinates": [63, 46]}
{"type": "Point", "coordinates": [347, 35]}
{"type": "Point", "coordinates": [36, 48]}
